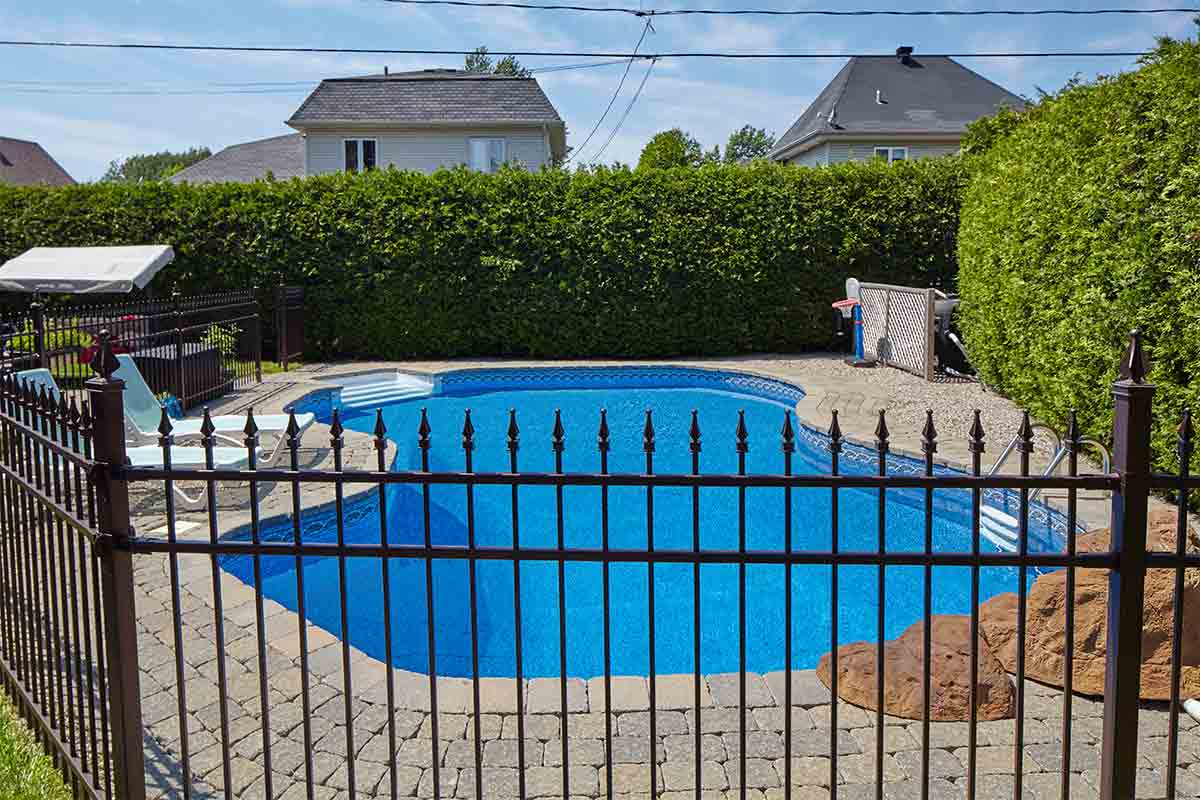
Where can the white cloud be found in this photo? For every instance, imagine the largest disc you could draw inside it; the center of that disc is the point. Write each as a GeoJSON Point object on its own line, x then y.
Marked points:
{"type": "Point", "coordinates": [82, 145]}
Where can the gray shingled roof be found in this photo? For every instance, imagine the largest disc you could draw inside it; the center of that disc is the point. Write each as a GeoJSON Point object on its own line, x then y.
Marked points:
{"type": "Point", "coordinates": [427, 96]}
{"type": "Point", "coordinates": [923, 95]}
{"type": "Point", "coordinates": [281, 156]}
{"type": "Point", "coordinates": [25, 163]}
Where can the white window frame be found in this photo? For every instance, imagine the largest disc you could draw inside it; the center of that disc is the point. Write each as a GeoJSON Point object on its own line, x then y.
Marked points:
{"type": "Point", "coordinates": [358, 148]}
{"type": "Point", "coordinates": [891, 153]}
{"type": "Point", "coordinates": [493, 164]}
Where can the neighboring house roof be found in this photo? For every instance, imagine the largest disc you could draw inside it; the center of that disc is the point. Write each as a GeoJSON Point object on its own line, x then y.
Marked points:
{"type": "Point", "coordinates": [280, 156]}
{"type": "Point", "coordinates": [25, 163]}
{"type": "Point", "coordinates": [432, 96]}
{"type": "Point", "coordinates": [901, 94]}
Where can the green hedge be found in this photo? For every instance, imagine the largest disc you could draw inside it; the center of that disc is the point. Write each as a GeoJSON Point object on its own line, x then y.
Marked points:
{"type": "Point", "coordinates": [654, 263]}
{"type": "Point", "coordinates": [1081, 222]}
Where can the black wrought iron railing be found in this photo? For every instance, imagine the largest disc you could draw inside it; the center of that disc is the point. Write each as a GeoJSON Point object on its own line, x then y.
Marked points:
{"type": "Point", "coordinates": [73, 644]}
{"type": "Point", "coordinates": [195, 348]}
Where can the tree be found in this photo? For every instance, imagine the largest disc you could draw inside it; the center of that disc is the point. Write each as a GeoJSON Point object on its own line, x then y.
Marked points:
{"type": "Point", "coordinates": [673, 148]}
{"type": "Point", "coordinates": [480, 61]}
{"type": "Point", "coordinates": [153, 166]}
{"type": "Point", "coordinates": [748, 144]}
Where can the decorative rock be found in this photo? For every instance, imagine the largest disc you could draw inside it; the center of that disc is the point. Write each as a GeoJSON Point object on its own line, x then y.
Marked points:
{"type": "Point", "coordinates": [1046, 620]}
{"type": "Point", "coordinates": [903, 683]}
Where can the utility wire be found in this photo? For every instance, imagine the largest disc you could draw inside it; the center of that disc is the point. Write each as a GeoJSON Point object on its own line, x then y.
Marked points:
{"type": "Point", "coordinates": [555, 54]}
{"type": "Point", "coordinates": [801, 12]}
{"type": "Point", "coordinates": [154, 88]}
{"type": "Point", "coordinates": [628, 108]}
{"type": "Point", "coordinates": [645, 29]}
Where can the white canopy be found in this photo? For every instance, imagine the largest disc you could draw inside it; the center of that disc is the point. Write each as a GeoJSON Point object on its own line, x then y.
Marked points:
{"type": "Point", "coordinates": [84, 270]}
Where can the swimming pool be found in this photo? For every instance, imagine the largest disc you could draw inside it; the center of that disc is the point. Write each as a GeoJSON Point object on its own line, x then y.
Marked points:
{"type": "Point", "coordinates": [625, 393]}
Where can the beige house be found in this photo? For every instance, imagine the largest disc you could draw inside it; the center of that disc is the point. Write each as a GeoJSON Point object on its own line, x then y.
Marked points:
{"type": "Point", "coordinates": [894, 108]}
{"type": "Point", "coordinates": [421, 121]}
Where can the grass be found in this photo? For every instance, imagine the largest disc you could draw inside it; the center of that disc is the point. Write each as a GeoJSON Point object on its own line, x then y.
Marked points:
{"type": "Point", "coordinates": [26, 773]}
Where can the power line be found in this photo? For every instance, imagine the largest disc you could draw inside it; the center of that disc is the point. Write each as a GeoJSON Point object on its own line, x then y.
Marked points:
{"type": "Point", "coordinates": [625, 116]}
{"type": "Point", "coordinates": [802, 12]}
{"type": "Point", "coordinates": [613, 99]}
{"type": "Point", "coordinates": [213, 88]}
{"type": "Point", "coordinates": [214, 48]}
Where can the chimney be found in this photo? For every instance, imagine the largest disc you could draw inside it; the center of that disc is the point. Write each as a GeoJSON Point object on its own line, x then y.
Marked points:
{"type": "Point", "coordinates": [385, 72]}
{"type": "Point", "coordinates": [904, 54]}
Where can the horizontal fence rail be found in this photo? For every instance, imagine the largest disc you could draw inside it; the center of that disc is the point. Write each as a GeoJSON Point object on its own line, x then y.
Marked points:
{"type": "Point", "coordinates": [241, 696]}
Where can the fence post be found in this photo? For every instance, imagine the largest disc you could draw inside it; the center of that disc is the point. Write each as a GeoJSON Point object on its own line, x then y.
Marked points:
{"type": "Point", "coordinates": [256, 333]}
{"type": "Point", "coordinates": [1133, 399]}
{"type": "Point", "coordinates": [38, 310]}
{"type": "Point", "coordinates": [177, 318]}
{"type": "Point", "coordinates": [116, 565]}
{"type": "Point", "coordinates": [281, 322]}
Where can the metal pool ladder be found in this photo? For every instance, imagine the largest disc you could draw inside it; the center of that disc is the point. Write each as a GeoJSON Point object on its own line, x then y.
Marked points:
{"type": "Point", "coordinates": [1001, 528]}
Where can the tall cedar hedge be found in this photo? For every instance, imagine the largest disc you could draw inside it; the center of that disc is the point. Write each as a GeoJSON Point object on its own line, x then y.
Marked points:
{"type": "Point", "coordinates": [721, 259]}
{"type": "Point", "coordinates": [1081, 222]}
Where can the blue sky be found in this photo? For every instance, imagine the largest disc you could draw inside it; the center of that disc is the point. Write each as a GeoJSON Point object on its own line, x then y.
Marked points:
{"type": "Point", "coordinates": [63, 99]}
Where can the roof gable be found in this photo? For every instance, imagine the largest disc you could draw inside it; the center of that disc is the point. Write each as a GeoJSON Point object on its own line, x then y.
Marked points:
{"type": "Point", "coordinates": [887, 94]}
{"type": "Point", "coordinates": [427, 97]}
{"type": "Point", "coordinates": [25, 163]}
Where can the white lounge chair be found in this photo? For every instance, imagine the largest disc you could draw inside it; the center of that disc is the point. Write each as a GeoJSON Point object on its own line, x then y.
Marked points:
{"type": "Point", "coordinates": [143, 412]}
{"type": "Point", "coordinates": [151, 455]}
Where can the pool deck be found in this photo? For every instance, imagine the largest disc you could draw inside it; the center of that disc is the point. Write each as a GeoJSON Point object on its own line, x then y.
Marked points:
{"type": "Point", "coordinates": [857, 394]}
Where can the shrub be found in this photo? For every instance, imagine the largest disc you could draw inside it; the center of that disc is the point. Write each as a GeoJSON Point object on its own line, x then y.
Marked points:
{"type": "Point", "coordinates": [552, 264]}
{"type": "Point", "coordinates": [1081, 222]}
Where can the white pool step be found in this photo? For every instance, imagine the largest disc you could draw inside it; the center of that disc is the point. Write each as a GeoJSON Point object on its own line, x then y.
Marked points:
{"type": "Point", "coordinates": [999, 528]}
{"type": "Point", "coordinates": [391, 390]}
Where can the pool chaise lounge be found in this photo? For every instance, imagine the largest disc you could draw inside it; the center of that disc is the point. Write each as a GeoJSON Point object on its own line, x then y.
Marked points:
{"type": "Point", "coordinates": [151, 455]}
{"type": "Point", "coordinates": [143, 411]}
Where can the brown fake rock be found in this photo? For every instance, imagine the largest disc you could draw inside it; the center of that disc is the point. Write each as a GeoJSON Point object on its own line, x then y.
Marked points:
{"type": "Point", "coordinates": [1046, 620]}
{"type": "Point", "coordinates": [903, 684]}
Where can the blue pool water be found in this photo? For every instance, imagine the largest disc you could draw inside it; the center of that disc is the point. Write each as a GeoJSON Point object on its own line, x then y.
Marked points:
{"type": "Point", "coordinates": [626, 394]}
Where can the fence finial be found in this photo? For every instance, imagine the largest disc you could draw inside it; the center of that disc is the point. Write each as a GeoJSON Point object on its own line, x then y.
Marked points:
{"type": "Point", "coordinates": [336, 430]}
{"type": "Point", "coordinates": [164, 424]}
{"type": "Point", "coordinates": [882, 434]}
{"type": "Point", "coordinates": [648, 434]}
{"type": "Point", "coordinates": [1072, 438]}
{"type": "Point", "coordinates": [381, 430]}
{"type": "Point", "coordinates": [602, 435]}
{"type": "Point", "coordinates": [1025, 434]}
{"type": "Point", "coordinates": [743, 435]}
{"type": "Point", "coordinates": [694, 433]}
{"type": "Point", "coordinates": [976, 435]}
{"type": "Point", "coordinates": [514, 433]}
{"type": "Point", "coordinates": [251, 430]}
{"type": "Point", "coordinates": [788, 435]}
{"type": "Point", "coordinates": [1133, 363]}
{"type": "Point", "coordinates": [423, 430]}
{"type": "Point", "coordinates": [929, 434]}
{"type": "Point", "coordinates": [468, 431]}
{"type": "Point", "coordinates": [104, 362]}
{"type": "Point", "coordinates": [557, 434]}
{"type": "Point", "coordinates": [835, 433]}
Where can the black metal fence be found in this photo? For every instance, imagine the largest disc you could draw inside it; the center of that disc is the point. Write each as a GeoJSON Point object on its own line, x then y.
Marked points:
{"type": "Point", "coordinates": [289, 324]}
{"type": "Point", "coordinates": [70, 648]}
{"type": "Point", "coordinates": [194, 348]}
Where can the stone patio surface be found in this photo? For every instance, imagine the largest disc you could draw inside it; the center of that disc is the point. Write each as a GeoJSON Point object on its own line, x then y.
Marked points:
{"type": "Point", "coordinates": [321, 746]}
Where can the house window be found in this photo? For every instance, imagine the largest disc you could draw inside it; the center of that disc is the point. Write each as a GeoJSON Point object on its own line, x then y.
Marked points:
{"type": "Point", "coordinates": [359, 153]}
{"type": "Point", "coordinates": [487, 154]}
{"type": "Point", "coordinates": [892, 154]}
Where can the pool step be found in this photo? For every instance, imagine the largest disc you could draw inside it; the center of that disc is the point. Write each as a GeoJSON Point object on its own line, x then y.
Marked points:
{"type": "Point", "coordinates": [373, 395]}
{"type": "Point", "coordinates": [999, 528]}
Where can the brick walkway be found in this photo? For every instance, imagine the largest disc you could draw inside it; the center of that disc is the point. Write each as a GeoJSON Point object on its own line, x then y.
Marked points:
{"type": "Point", "coordinates": [326, 738]}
